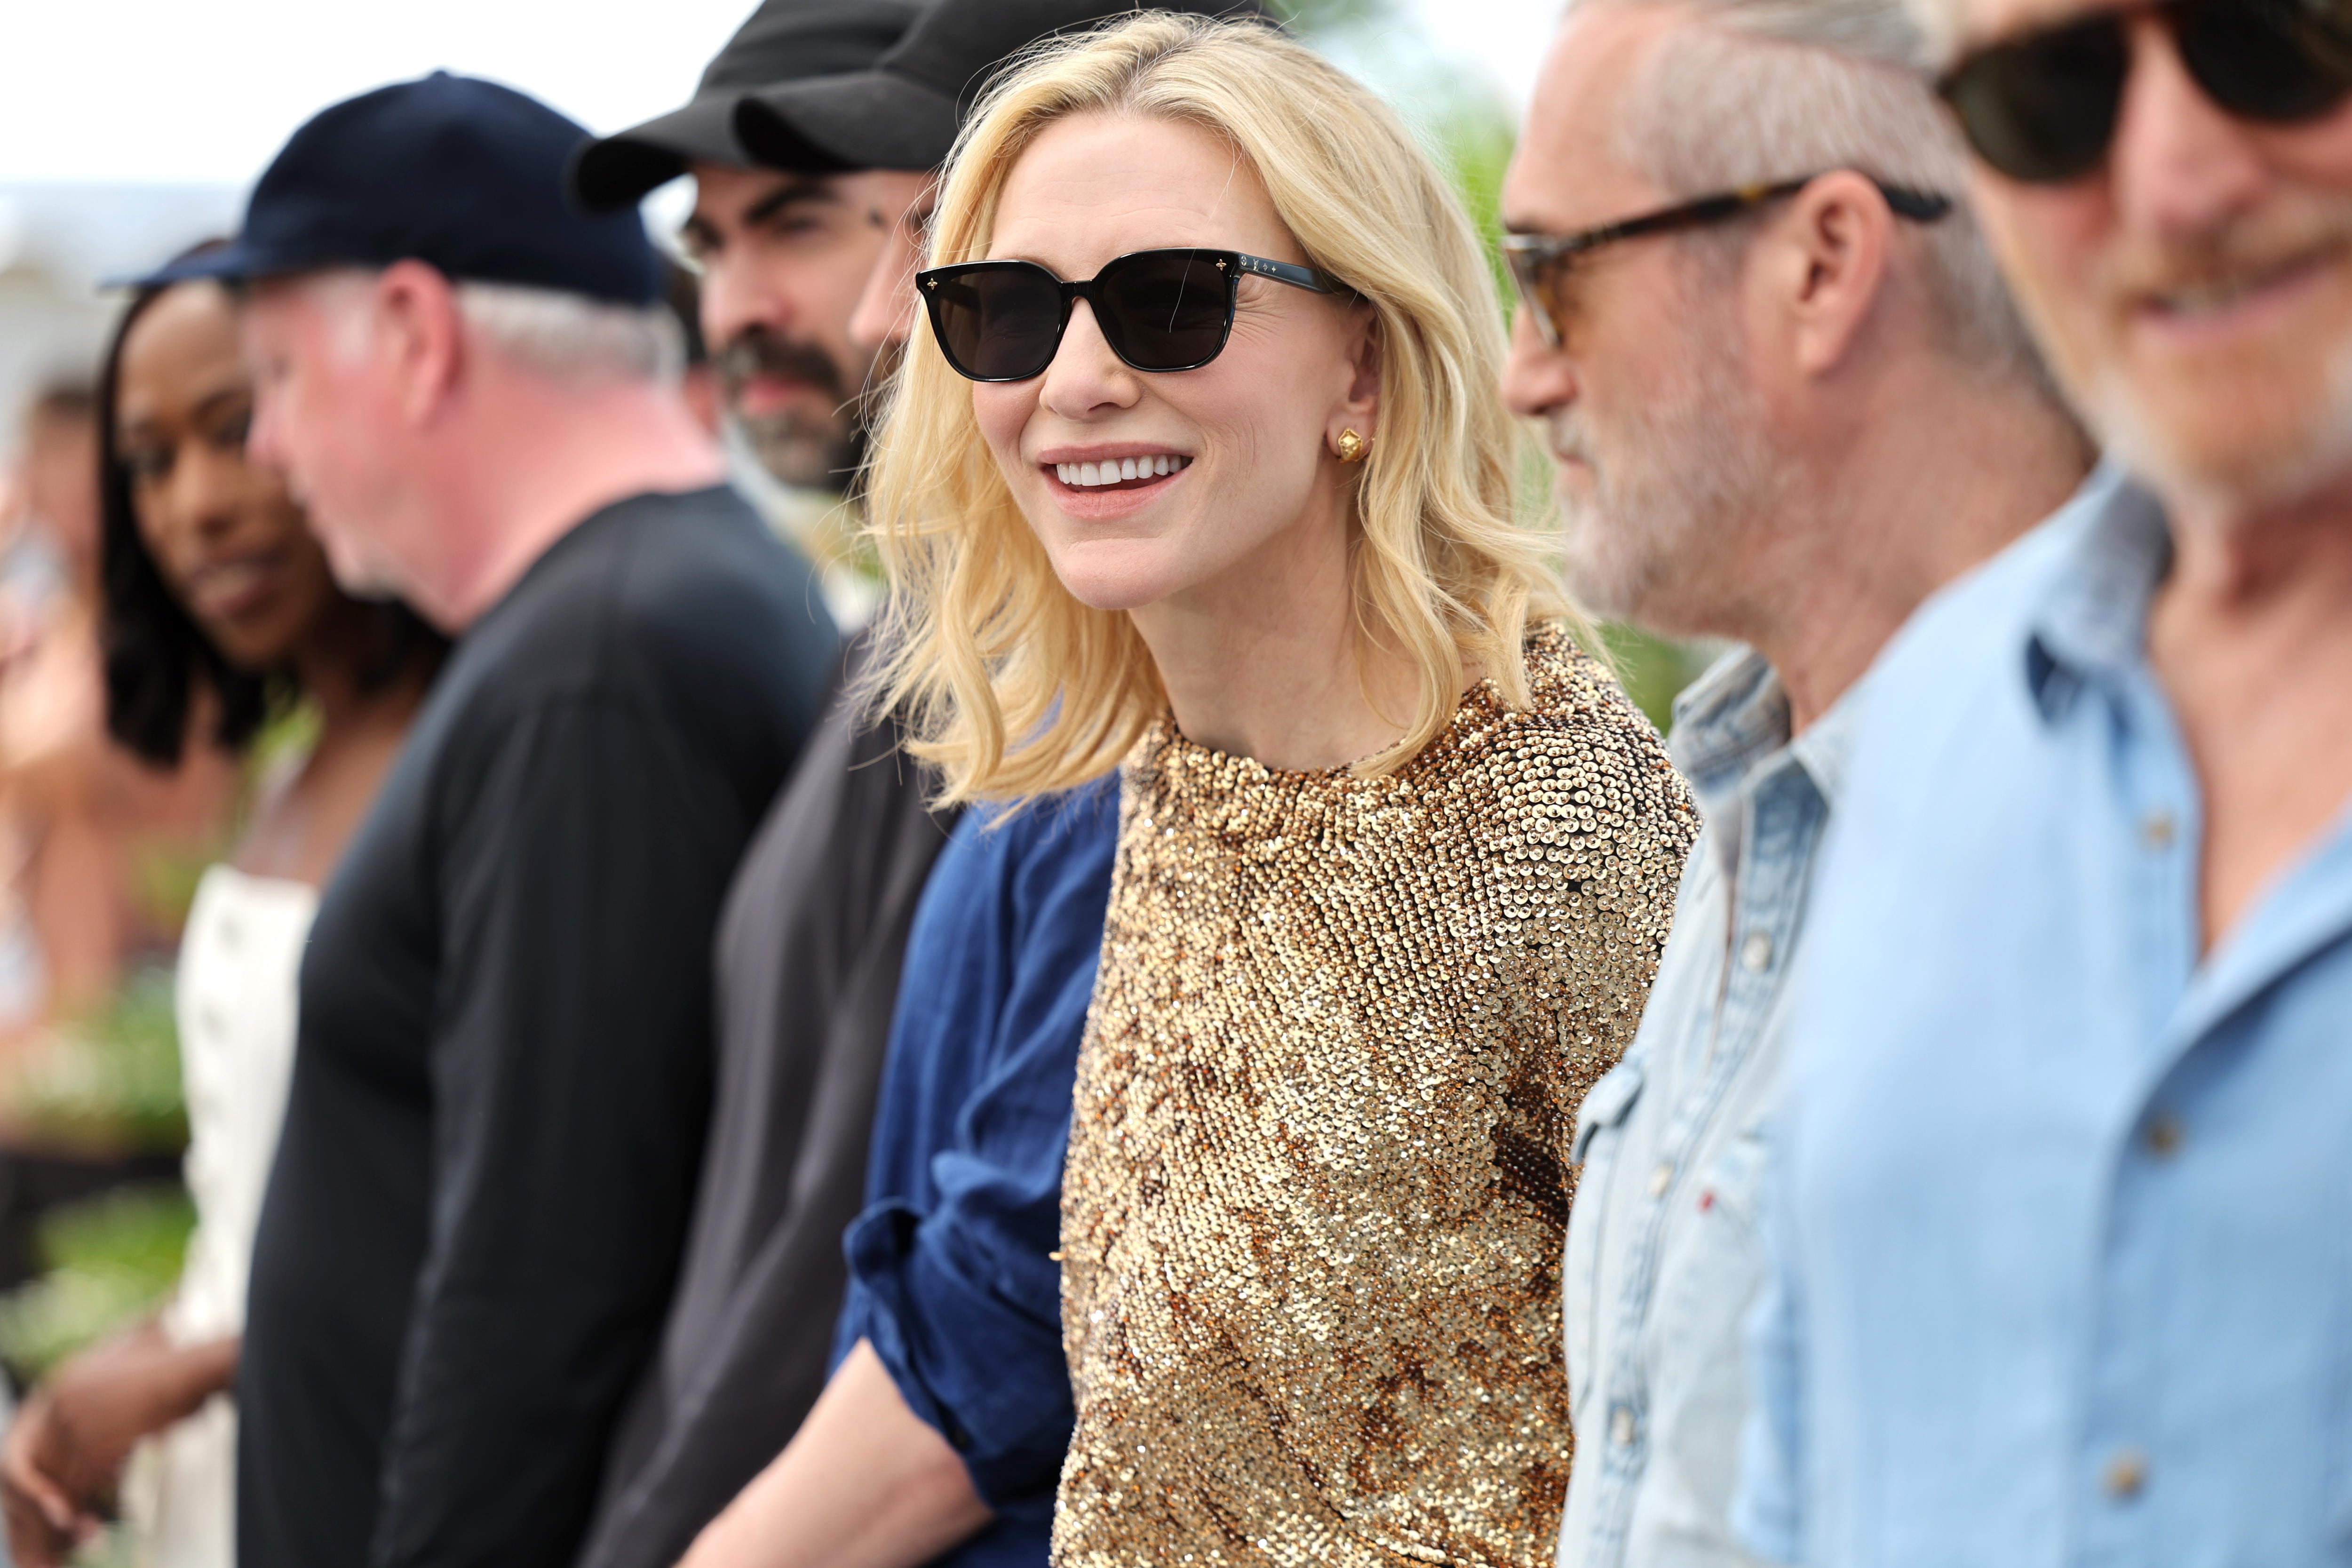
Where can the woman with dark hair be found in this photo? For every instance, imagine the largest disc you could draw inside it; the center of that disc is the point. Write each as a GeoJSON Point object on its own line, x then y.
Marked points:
{"type": "Point", "coordinates": [219, 612]}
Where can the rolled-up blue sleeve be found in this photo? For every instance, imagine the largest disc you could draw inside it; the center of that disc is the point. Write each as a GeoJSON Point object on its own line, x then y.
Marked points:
{"type": "Point", "coordinates": [953, 1281]}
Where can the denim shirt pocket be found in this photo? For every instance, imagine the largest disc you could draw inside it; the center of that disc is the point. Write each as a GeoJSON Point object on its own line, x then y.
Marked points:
{"type": "Point", "coordinates": [1600, 1130]}
{"type": "Point", "coordinates": [1717, 1266]}
{"type": "Point", "coordinates": [1734, 1181]}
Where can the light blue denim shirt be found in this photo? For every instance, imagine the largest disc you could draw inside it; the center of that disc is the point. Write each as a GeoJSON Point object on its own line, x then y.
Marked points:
{"type": "Point", "coordinates": [1663, 1255]}
{"type": "Point", "coordinates": [2062, 1214]}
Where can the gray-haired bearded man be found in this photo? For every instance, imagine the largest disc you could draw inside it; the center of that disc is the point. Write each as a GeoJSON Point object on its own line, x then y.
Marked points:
{"type": "Point", "coordinates": [1789, 401]}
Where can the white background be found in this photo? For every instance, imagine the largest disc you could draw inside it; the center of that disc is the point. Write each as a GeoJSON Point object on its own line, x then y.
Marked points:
{"type": "Point", "coordinates": [202, 91]}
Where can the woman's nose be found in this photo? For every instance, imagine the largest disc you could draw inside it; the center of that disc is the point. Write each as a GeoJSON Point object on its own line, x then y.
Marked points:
{"type": "Point", "coordinates": [1086, 375]}
{"type": "Point", "coordinates": [206, 480]}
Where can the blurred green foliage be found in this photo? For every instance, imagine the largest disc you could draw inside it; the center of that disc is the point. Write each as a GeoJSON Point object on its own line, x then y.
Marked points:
{"type": "Point", "coordinates": [1653, 669]}
{"type": "Point", "coordinates": [112, 1260]}
{"type": "Point", "coordinates": [108, 1083]}
{"type": "Point", "coordinates": [1311, 17]}
{"type": "Point", "coordinates": [105, 1086]}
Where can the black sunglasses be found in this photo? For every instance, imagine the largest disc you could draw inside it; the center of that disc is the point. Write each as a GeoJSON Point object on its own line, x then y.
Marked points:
{"type": "Point", "coordinates": [2043, 107]}
{"type": "Point", "coordinates": [1157, 310]}
{"type": "Point", "coordinates": [1540, 263]}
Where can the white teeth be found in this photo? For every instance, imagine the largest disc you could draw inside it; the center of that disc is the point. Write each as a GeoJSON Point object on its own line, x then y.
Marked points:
{"type": "Point", "coordinates": [1118, 472]}
{"type": "Point", "coordinates": [2210, 296]}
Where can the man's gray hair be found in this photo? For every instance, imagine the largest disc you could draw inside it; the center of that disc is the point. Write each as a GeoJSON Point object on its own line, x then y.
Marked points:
{"type": "Point", "coordinates": [570, 337]}
{"type": "Point", "coordinates": [566, 337]}
{"type": "Point", "coordinates": [1766, 91]}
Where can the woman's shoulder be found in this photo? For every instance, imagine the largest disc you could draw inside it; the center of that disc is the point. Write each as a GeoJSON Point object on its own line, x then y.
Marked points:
{"type": "Point", "coordinates": [1575, 707]}
{"type": "Point", "coordinates": [1580, 751]}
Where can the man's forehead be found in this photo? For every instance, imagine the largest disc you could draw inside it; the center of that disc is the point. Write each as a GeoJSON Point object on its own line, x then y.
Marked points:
{"type": "Point", "coordinates": [276, 302]}
{"type": "Point", "coordinates": [1571, 169]}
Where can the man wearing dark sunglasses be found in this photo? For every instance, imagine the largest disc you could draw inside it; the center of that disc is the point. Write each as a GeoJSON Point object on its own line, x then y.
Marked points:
{"type": "Point", "coordinates": [2060, 1273]}
{"type": "Point", "coordinates": [1788, 401]}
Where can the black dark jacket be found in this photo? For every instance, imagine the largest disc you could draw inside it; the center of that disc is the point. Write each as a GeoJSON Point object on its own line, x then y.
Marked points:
{"type": "Point", "coordinates": [808, 963]}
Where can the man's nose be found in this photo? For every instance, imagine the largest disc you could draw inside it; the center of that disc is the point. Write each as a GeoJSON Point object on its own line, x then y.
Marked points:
{"type": "Point", "coordinates": [2182, 167]}
{"type": "Point", "coordinates": [1537, 377]}
{"type": "Point", "coordinates": [264, 445]}
{"type": "Point", "coordinates": [886, 308]}
{"type": "Point", "coordinates": [734, 299]}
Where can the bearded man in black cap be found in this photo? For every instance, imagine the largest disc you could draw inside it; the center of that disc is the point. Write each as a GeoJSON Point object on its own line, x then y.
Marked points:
{"type": "Point", "coordinates": [783, 255]}
{"type": "Point", "coordinates": [503, 1067]}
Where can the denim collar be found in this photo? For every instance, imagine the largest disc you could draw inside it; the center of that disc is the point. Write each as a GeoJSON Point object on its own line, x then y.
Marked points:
{"type": "Point", "coordinates": [1731, 737]}
{"type": "Point", "coordinates": [2091, 624]}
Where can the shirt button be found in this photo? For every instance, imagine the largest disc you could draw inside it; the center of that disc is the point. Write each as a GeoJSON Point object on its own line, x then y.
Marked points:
{"type": "Point", "coordinates": [1623, 1428]}
{"type": "Point", "coordinates": [1755, 952]}
{"type": "Point", "coordinates": [2127, 1473]}
{"type": "Point", "coordinates": [1661, 1179]}
{"type": "Point", "coordinates": [2155, 830]}
{"type": "Point", "coordinates": [2164, 1137]}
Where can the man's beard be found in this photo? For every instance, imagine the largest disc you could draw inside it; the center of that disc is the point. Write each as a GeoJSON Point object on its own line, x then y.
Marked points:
{"type": "Point", "coordinates": [1672, 483]}
{"type": "Point", "coordinates": [820, 451]}
{"type": "Point", "coordinates": [2290, 432]}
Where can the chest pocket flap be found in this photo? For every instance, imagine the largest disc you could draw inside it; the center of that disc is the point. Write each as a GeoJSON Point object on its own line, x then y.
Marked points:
{"type": "Point", "coordinates": [1606, 1104]}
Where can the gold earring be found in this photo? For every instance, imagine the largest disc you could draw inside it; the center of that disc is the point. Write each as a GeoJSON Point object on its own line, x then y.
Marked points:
{"type": "Point", "coordinates": [1352, 446]}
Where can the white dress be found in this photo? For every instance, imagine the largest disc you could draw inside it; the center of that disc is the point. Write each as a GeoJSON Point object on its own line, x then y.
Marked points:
{"type": "Point", "coordinates": [235, 995]}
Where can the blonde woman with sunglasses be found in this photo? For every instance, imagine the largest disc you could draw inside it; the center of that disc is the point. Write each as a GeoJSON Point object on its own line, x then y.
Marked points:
{"type": "Point", "coordinates": [1201, 471]}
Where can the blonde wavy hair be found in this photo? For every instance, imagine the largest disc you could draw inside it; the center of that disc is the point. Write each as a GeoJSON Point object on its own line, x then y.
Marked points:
{"type": "Point", "coordinates": [1010, 685]}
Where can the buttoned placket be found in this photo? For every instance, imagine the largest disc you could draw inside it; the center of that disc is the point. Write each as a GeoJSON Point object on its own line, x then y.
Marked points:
{"type": "Point", "coordinates": [1781, 815]}
{"type": "Point", "coordinates": [2160, 828]}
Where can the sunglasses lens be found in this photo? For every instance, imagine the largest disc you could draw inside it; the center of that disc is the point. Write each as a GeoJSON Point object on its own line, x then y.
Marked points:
{"type": "Point", "coordinates": [1167, 309]}
{"type": "Point", "coordinates": [997, 323]}
{"type": "Point", "coordinates": [2268, 59]}
{"type": "Point", "coordinates": [2042, 109]}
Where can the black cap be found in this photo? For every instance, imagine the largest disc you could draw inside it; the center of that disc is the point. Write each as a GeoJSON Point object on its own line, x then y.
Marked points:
{"type": "Point", "coordinates": [785, 41]}
{"type": "Point", "coordinates": [464, 174]}
{"type": "Point", "coordinates": [904, 112]}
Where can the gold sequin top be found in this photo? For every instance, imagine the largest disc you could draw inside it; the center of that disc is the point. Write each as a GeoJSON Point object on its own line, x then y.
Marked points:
{"type": "Point", "coordinates": [1317, 1177]}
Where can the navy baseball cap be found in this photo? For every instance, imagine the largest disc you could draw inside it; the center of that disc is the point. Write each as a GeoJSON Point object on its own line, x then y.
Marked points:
{"type": "Point", "coordinates": [457, 173]}
{"type": "Point", "coordinates": [905, 111]}
{"type": "Point", "coordinates": [784, 41]}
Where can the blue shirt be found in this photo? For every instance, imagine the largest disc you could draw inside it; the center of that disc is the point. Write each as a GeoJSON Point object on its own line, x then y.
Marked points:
{"type": "Point", "coordinates": [2063, 1223]}
{"type": "Point", "coordinates": [1663, 1259]}
{"type": "Point", "coordinates": [952, 1272]}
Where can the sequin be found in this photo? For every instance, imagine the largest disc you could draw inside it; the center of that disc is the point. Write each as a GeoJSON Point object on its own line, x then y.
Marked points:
{"type": "Point", "coordinates": [1318, 1176]}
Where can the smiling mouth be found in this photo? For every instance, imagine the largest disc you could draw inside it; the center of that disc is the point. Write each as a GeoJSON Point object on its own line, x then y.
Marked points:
{"type": "Point", "coordinates": [1120, 473]}
{"type": "Point", "coordinates": [229, 588]}
{"type": "Point", "coordinates": [2214, 296]}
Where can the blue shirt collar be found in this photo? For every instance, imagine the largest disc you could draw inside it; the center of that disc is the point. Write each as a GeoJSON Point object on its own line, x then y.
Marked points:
{"type": "Point", "coordinates": [2091, 624]}
{"type": "Point", "coordinates": [1731, 729]}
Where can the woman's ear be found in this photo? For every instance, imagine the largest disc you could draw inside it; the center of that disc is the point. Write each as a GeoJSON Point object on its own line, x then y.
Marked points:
{"type": "Point", "coordinates": [1360, 409]}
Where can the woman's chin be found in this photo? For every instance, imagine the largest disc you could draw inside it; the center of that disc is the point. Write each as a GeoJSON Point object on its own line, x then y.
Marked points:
{"type": "Point", "coordinates": [1112, 572]}
{"type": "Point", "coordinates": [1108, 585]}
